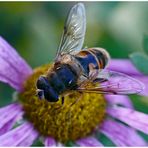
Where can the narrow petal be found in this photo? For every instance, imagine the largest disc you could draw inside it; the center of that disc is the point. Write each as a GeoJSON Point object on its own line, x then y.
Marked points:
{"type": "Point", "coordinates": [131, 117]}
{"type": "Point", "coordinates": [121, 135]}
{"type": "Point", "coordinates": [126, 66]}
{"type": "Point", "coordinates": [9, 107]}
{"type": "Point", "coordinates": [119, 100]}
{"type": "Point", "coordinates": [9, 115]}
{"type": "Point", "coordinates": [49, 142]}
{"type": "Point", "coordinates": [28, 141]}
{"type": "Point", "coordinates": [23, 135]}
{"type": "Point", "coordinates": [6, 127]}
{"type": "Point", "coordinates": [89, 141]}
{"type": "Point", "coordinates": [13, 69]}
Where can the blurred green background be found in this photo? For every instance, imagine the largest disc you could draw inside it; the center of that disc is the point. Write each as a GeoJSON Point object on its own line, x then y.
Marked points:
{"type": "Point", "coordinates": [34, 29]}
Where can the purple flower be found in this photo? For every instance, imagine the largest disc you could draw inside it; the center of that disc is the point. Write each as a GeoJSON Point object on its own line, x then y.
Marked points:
{"type": "Point", "coordinates": [122, 132]}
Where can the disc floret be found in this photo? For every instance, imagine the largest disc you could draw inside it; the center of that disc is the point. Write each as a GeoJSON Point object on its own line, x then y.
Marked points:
{"type": "Point", "coordinates": [63, 122]}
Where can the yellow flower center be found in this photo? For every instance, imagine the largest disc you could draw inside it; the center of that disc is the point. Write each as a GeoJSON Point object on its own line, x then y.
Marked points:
{"type": "Point", "coordinates": [62, 122]}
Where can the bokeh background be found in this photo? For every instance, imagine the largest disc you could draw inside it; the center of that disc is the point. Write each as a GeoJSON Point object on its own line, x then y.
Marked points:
{"type": "Point", "coordinates": [34, 29]}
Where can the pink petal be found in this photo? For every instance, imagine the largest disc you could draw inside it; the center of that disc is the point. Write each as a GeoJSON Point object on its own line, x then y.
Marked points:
{"type": "Point", "coordinates": [131, 117]}
{"type": "Point", "coordinates": [89, 141]}
{"type": "Point", "coordinates": [121, 135]}
{"type": "Point", "coordinates": [13, 69]}
{"type": "Point", "coordinates": [126, 66]}
{"type": "Point", "coordinates": [9, 107]}
{"type": "Point", "coordinates": [119, 100]}
{"type": "Point", "coordinates": [49, 142]}
{"type": "Point", "coordinates": [28, 141]}
{"type": "Point", "coordinates": [9, 115]}
{"type": "Point", "coordinates": [23, 135]}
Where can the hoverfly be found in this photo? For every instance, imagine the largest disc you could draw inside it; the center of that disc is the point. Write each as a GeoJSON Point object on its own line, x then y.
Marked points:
{"type": "Point", "coordinates": [74, 68]}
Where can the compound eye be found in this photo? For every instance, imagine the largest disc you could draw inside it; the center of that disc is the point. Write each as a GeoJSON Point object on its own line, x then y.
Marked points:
{"type": "Point", "coordinates": [40, 93]}
{"type": "Point", "coordinates": [41, 82]}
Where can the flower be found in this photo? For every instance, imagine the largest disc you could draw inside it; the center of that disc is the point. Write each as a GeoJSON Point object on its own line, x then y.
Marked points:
{"type": "Point", "coordinates": [120, 125]}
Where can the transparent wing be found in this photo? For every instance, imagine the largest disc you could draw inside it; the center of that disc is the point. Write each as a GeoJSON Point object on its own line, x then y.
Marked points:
{"type": "Point", "coordinates": [74, 31]}
{"type": "Point", "coordinates": [111, 82]}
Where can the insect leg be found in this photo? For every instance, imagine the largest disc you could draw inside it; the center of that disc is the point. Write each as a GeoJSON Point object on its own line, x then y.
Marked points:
{"type": "Point", "coordinates": [76, 100]}
{"type": "Point", "coordinates": [62, 100]}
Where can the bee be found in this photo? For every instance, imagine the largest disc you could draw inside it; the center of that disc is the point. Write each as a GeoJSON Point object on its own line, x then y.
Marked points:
{"type": "Point", "coordinates": [76, 68]}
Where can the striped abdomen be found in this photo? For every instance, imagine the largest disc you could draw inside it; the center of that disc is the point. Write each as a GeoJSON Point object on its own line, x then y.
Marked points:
{"type": "Point", "coordinates": [97, 57]}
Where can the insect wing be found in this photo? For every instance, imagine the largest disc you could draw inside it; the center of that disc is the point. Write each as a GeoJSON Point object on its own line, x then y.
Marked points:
{"type": "Point", "coordinates": [74, 31]}
{"type": "Point", "coordinates": [111, 82]}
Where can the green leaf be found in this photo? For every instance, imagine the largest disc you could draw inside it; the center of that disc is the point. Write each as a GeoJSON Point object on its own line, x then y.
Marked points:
{"type": "Point", "coordinates": [140, 60]}
{"type": "Point", "coordinates": [139, 103]}
{"type": "Point", "coordinates": [104, 140]}
{"type": "Point", "coordinates": [143, 135]}
{"type": "Point", "coordinates": [69, 144]}
{"type": "Point", "coordinates": [37, 143]}
{"type": "Point", "coordinates": [145, 43]}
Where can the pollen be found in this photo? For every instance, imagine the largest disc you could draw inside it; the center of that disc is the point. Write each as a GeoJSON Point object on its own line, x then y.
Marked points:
{"type": "Point", "coordinates": [78, 117]}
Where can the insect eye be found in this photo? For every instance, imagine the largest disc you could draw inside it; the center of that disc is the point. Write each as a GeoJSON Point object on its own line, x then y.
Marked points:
{"type": "Point", "coordinates": [40, 93]}
{"type": "Point", "coordinates": [41, 83]}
